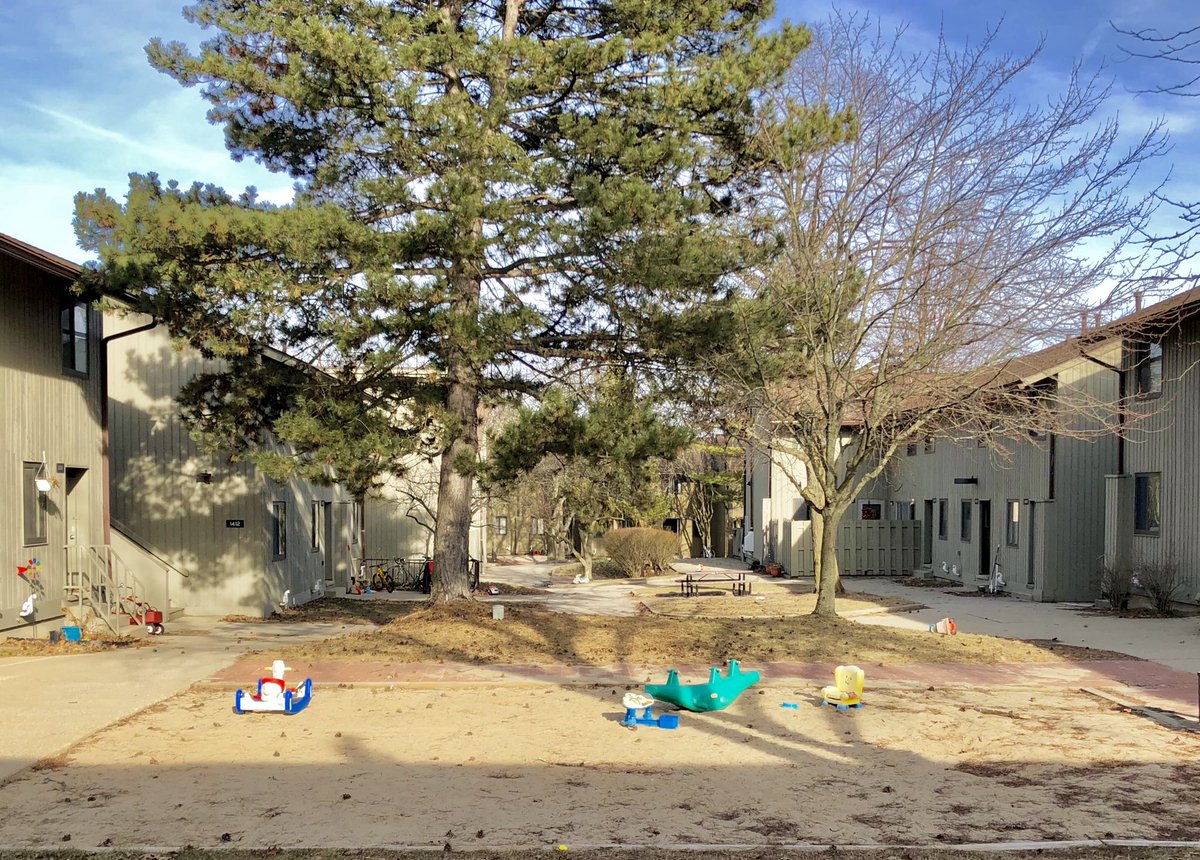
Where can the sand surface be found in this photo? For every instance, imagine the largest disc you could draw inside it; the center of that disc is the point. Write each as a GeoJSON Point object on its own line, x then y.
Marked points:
{"type": "Point", "coordinates": [537, 764]}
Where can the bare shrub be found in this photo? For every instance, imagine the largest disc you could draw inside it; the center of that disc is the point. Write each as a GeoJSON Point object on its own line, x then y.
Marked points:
{"type": "Point", "coordinates": [635, 549]}
{"type": "Point", "coordinates": [1116, 583]}
{"type": "Point", "coordinates": [1160, 580]}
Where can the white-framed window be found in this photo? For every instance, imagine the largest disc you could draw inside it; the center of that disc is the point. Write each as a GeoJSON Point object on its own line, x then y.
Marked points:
{"type": "Point", "coordinates": [538, 526]}
{"type": "Point", "coordinates": [314, 522]}
{"type": "Point", "coordinates": [501, 525]}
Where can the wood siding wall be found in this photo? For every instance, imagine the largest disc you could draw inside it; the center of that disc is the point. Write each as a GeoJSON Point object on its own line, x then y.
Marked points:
{"type": "Point", "coordinates": [1166, 440]}
{"type": "Point", "coordinates": [397, 524]}
{"type": "Point", "coordinates": [1066, 531]}
{"type": "Point", "coordinates": [47, 412]}
{"type": "Point", "coordinates": [161, 502]}
{"type": "Point", "coordinates": [865, 548]}
{"type": "Point", "coordinates": [1073, 542]}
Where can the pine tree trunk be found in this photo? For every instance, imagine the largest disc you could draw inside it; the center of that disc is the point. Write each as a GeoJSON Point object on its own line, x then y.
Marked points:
{"type": "Point", "coordinates": [452, 534]}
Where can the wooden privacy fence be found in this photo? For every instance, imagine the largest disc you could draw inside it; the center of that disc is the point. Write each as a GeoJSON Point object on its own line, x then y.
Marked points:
{"type": "Point", "coordinates": [867, 547]}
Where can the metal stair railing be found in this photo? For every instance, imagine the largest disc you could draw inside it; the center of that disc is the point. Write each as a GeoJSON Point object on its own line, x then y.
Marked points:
{"type": "Point", "coordinates": [100, 585]}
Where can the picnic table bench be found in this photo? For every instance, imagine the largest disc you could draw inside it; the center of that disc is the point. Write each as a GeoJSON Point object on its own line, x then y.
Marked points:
{"type": "Point", "coordinates": [689, 583]}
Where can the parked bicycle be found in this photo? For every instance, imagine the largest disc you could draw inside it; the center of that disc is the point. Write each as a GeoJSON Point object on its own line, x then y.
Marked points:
{"type": "Point", "coordinates": [414, 573]}
{"type": "Point", "coordinates": [373, 574]}
{"type": "Point", "coordinates": [382, 578]}
{"type": "Point", "coordinates": [417, 573]}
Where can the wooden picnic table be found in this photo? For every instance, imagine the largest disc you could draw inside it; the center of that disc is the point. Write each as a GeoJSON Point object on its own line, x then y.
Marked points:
{"type": "Point", "coordinates": [690, 583]}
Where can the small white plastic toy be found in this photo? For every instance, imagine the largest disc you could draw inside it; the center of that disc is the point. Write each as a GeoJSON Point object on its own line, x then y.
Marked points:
{"type": "Point", "coordinates": [274, 695]}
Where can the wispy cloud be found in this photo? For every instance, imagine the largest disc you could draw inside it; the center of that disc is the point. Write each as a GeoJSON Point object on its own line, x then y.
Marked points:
{"type": "Point", "coordinates": [94, 131]}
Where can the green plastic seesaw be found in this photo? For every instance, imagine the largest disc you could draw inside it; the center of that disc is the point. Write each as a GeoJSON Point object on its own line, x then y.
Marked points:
{"type": "Point", "coordinates": [718, 693]}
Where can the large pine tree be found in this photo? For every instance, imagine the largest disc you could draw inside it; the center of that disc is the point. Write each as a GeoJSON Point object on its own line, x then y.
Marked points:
{"type": "Point", "coordinates": [483, 189]}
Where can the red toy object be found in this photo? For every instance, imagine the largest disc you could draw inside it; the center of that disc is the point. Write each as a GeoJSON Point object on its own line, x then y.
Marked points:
{"type": "Point", "coordinates": [946, 627]}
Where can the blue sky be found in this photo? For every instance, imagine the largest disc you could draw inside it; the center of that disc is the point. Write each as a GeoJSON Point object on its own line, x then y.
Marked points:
{"type": "Point", "coordinates": [80, 107]}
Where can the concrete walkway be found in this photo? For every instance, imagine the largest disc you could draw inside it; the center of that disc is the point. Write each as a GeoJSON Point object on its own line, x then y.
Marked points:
{"type": "Point", "coordinates": [1173, 642]}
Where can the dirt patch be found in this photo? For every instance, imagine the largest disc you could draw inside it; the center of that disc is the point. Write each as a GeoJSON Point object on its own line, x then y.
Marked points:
{"type": "Point", "coordinates": [1136, 612]}
{"type": "Point", "coordinates": [505, 588]}
{"type": "Point", "coordinates": [627, 852]}
{"type": "Point", "coordinates": [921, 582]}
{"type": "Point", "coordinates": [341, 610]}
{"type": "Point", "coordinates": [541, 765]}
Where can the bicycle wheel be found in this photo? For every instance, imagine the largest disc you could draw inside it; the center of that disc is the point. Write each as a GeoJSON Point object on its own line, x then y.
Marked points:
{"type": "Point", "coordinates": [408, 574]}
{"type": "Point", "coordinates": [389, 582]}
{"type": "Point", "coordinates": [377, 580]}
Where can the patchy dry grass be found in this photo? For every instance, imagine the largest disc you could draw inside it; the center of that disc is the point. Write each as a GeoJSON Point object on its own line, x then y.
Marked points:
{"type": "Point", "coordinates": [45, 648]}
{"type": "Point", "coordinates": [768, 600]}
{"type": "Point", "coordinates": [466, 633]}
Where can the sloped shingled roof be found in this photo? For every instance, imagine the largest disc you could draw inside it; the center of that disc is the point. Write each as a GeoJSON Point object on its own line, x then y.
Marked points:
{"type": "Point", "coordinates": [1149, 321]}
{"type": "Point", "coordinates": [39, 259]}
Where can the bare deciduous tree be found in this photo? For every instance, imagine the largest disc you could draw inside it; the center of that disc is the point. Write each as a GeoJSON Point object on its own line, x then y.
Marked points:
{"type": "Point", "coordinates": [1178, 51]}
{"type": "Point", "coordinates": [952, 229]}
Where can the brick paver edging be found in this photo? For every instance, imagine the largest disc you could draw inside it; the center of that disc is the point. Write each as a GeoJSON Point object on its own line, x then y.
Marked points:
{"type": "Point", "coordinates": [1150, 682]}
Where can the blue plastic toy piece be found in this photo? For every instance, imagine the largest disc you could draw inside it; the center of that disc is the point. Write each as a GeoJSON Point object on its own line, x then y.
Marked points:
{"type": "Point", "coordinates": [841, 707]}
{"type": "Point", "coordinates": [717, 694]}
{"type": "Point", "coordinates": [666, 721]}
{"type": "Point", "coordinates": [792, 705]}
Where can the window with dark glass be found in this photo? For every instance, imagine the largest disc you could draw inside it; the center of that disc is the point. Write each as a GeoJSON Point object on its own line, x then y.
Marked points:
{"type": "Point", "coordinates": [76, 318]}
{"type": "Point", "coordinates": [1147, 493]}
{"type": "Point", "coordinates": [1012, 517]}
{"type": "Point", "coordinates": [34, 504]}
{"type": "Point", "coordinates": [942, 505]}
{"type": "Point", "coordinates": [910, 449]}
{"type": "Point", "coordinates": [930, 445]}
{"type": "Point", "coordinates": [279, 530]}
{"type": "Point", "coordinates": [1146, 359]}
{"type": "Point", "coordinates": [964, 520]}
